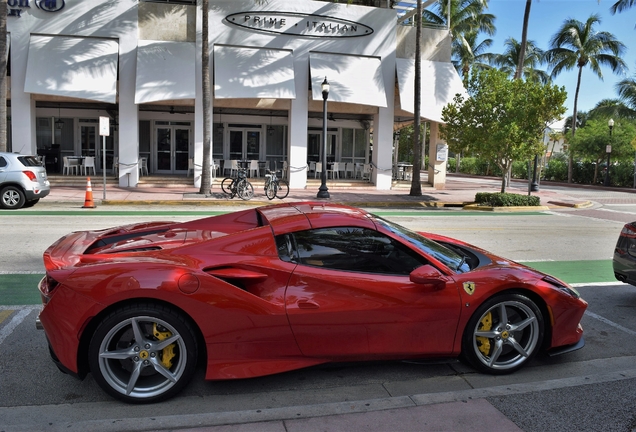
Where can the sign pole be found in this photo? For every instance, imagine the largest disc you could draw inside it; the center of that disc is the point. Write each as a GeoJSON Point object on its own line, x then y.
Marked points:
{"type": "Point", "coordinates": [104, 131]}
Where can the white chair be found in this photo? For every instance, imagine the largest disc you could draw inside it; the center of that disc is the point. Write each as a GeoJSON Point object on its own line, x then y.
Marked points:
{"type": "Point", "coordinates": [190, 167]}
{"type": "Point", "coordinates": [69, 165]}
{"type": "Point", "coordinates": [88, 163]}
{"type": "Point", "coordinates": [312, 168]}
{"type": "Point", "coordinates": [213, 168]}
{"type": "Point", "coordinates": [217, 167]}
{"type": "Point", "coordinates": [116, 165]}
{"type": "Point", "coordinates": [143, 166]}
{"type": "Point", "coordinates": [349, 169]}
{"type": "Point", "coordinates": [285, 166]}
{"type": "Point", "coordinates": [318, 169]}
{"type": "Point", "coordinates": [226, 165]}
{"type": "Point", "coordinates": [334, 170]}
{"type": "Point", "coordinates": [253, 169]}
{"type": "Point", "coordinates": [357, 170]}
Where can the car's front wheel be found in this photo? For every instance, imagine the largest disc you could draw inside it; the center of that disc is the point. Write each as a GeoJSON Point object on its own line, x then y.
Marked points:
{"type": "Point", "coordinates": [143, 353]}
{"type": "Point", "coordinates": [504, 334]}
{"type": "Point", "coordinates": [12, 198]}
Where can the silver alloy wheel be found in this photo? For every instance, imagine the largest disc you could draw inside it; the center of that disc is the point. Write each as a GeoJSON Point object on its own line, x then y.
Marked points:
{"type": "Point", "coordinates": [512, 338]}
{"type": "Point", "coordinates": [11, 198]}
{"type": "Point", "coordinates": [133, 361]}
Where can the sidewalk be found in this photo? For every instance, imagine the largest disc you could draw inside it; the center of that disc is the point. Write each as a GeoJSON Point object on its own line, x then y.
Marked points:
{"type": "Point", "coordinates": [458, 191]}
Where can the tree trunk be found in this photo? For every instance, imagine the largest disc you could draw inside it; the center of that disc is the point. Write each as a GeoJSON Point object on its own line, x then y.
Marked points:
{"type": "Point", "coordinates": [416, 185]}
{"type": "Point", "coordinates": [206, 175]}
{"type": "Point", "coordinates": [576, 100]}
{"type": "Point", "coordinates": [524, 41]}
{"type": "Point", "coordinates": [3, 78]}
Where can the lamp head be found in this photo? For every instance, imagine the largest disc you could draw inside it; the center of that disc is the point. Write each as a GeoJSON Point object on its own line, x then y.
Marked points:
{"type": "Point", "coordinates": [325, 88]}
{"type": "Point", "coordinates": [610, 123]}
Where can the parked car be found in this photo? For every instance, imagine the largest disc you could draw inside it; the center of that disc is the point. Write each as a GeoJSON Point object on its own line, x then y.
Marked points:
{"type": "Point", "coordinates": [282, 287]}
{"type": "Point", "coordinates": [23, 181]}
{"type": "Point", "coordinates": [624, 261]}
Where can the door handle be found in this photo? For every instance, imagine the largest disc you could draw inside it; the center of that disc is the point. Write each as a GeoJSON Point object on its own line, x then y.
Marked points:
{"type": "Point", "coordinates": [307, 304]}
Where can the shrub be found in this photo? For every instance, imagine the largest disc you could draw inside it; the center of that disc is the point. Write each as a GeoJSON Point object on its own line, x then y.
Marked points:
{"type": "Point", "coordinates": [506, 199]}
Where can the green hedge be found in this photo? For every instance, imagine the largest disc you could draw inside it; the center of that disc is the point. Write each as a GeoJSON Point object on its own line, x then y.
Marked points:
{"type": "Point", "coordinates": [506, 199]}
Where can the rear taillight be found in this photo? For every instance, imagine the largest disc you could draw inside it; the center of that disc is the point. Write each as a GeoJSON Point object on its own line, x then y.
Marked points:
{"type": "Point", "coordinates": [629, 230]}
{"type": "Point", "coordinates": [31, 175]}
{"type": "Point", "coordinates": [47, 286]}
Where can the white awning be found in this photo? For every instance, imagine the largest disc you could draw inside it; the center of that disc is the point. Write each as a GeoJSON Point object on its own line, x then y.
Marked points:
{"type": "Point", "coordinates": [76, 67]}
{"type": "Point", "coordinates": [439, 82]}
{"type": "Point", "coordinates": [165, 71]}
{"type": "Point", "coordinates": [352, 79]}
{"type": "Point", "coordinates": [253, 73]}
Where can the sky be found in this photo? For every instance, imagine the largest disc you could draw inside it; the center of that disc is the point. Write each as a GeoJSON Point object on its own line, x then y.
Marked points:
{"type": "Point", "coordinates": [546, 17]}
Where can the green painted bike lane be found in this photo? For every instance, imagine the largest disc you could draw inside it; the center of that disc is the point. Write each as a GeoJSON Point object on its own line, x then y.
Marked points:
{"type": "Point", "coordinates": [21, 289]}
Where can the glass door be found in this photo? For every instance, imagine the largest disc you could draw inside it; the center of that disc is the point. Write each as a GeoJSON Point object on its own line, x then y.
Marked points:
{"type": "Point", "coordinates": [245, 144]}
{"type": "Point", "coordinates": [173, 149]}
{"type": "Point", "coordinates": [314, 146]}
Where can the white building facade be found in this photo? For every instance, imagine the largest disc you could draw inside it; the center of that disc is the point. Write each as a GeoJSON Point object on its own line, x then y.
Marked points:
{"type": "Point", "coordinates": [139, 64]}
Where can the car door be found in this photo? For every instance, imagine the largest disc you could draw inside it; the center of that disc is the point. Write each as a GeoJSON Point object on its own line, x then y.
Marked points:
{"type": "Point", "coordinates": [351, 296]}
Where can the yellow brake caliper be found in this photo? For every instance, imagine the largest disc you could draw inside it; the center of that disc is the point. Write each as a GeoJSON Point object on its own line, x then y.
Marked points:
{"type": "Point", "coordinates": [167, 354]}
{"type": "Point", "coordinates": [483, 342]}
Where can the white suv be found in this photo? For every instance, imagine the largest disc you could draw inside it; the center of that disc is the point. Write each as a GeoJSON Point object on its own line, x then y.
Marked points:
{"type": "Point", "coordinates": [23, 181]}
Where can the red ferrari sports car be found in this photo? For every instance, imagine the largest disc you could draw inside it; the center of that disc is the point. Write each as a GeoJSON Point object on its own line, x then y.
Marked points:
{"type": "Point", "coordinates": [282, 287]}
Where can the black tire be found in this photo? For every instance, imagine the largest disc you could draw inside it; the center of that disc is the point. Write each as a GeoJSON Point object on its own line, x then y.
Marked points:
{"type": "Point", "coordinates": [226, 185]}
{"type": "Point", "coordinates": [282, 190]}
{"type": "Point", "coordinates": [503, 334]}
{"type": "Point", "coordinates": [150, 339]}
{"type": "Point", "coordinates": [31, 203]}
{"type": "Point", "coordinates": [12, 198]}
{"type": "Point", "coordinates": [270, 190]}
{"type": "Point", "coordinates": [245, 190]}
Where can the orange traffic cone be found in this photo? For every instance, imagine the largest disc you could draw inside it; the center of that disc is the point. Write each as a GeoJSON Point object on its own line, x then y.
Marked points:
{"type": "Point", "coordinates": [88, 202]}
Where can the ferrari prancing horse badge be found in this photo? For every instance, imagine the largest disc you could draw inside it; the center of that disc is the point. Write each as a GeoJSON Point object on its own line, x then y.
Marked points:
{"type": "Point", "coordinates": [469, 287]}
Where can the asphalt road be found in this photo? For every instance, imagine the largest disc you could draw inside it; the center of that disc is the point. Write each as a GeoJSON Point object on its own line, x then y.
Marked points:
{"type": "Point", "coordinates": [590, 389]}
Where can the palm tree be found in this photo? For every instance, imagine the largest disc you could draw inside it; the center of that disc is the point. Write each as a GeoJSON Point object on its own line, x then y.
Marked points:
{"type": "Point", "coordinates": [3, 78]}
{"type": "Point", "coordinates": [206, 172]}
{"type": "Point", "coordinates": [622, 5]}
{"type": "Point", "coordinates": [627, 91]}
{"type": "Point", "coordinates": [578, 44]}
{"type": "Point", "coordinates": [534, 56]}
{"type": "Point", "coordinates": [612, 108]}
{"type": "Point", "coordinates": [467, 21]}
{"type": "Point", "coordinates": [416, 185]}
{"type": "Point", "coordinates": [469, 55]}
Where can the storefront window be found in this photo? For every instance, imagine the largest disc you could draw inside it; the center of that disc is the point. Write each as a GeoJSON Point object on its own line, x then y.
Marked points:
{"type": "Point", "coordinates": [354, 145]}
{"type": "Point", "coordinates": [217, 141]}
{"type": "Point", "coordinates": [276, 147]}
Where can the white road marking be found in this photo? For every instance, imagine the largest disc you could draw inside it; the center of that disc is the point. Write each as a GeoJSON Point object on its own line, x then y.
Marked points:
{"type": "Point", "coordinates": [611, 323]}
{"type": "Point", "coordinates": [21, 272]}
{"type": "Point", "coordinates": [15, 321]}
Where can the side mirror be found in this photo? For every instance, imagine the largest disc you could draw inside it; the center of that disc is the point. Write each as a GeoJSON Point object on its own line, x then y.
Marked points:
{"type": "Point", "coordinates": [429, 276]}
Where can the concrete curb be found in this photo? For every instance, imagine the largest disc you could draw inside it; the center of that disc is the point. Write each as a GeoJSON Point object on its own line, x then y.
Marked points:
{"type": "Point", "coordinates": [510, 209]}
{"type": "Point", "coordinates": [584, 204]}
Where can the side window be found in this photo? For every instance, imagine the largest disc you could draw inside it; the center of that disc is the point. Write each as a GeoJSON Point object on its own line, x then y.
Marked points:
{"type": "Point", "coordinates": [3, 162]}
{"type": "Point", "coordinates": [352, 249]}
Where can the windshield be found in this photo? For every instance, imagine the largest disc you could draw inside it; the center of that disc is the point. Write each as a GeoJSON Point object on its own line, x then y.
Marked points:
{"type": "Point", "coordinates": [451, 259]}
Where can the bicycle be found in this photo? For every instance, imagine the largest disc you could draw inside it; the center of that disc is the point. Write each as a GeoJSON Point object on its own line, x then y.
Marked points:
{"type": "Point", "coordinates": [275, 187]}
{"type": "Point", "coordinates": [238, 186]}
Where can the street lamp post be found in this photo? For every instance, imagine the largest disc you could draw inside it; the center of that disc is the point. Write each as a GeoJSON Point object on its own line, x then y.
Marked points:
{"type": "Point", "coordinates": [323, 191]}
{"type": "Point", "coordinates": [608, 150]}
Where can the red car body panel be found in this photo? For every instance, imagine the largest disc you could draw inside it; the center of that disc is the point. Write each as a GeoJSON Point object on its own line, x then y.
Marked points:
{"type": "Point", "coordinates": [258, 314]}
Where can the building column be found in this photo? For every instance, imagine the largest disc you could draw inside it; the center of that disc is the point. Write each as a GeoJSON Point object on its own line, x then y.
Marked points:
{"type": "Point", "coordinates": [383, 130]}
{"type": "Point", "coordinates": [128, 111]}
{"type": "Point", "coordinates": [298, 123]}
{"type": "Point", "coordinates": [437, 159]}
{"type": "Point", "coordinates": [22, 106]}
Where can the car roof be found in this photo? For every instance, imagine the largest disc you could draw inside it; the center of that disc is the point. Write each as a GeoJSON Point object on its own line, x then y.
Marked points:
{"type": "Point", "coordinates": [299, 216]}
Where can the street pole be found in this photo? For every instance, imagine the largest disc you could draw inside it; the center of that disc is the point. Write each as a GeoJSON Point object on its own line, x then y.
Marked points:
{"type": "Point", "coordinates": [323, 191]}
{"type": "Point", "coordinates": [608, 149]}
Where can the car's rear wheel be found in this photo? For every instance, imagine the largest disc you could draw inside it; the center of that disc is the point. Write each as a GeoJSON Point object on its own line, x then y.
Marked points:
{"type": "Point", "coordinates": [143, 353]}
{"type": "Point", "coordinates": [12, 198]}
{"type": "Point", "coordinates": [504, 334]}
